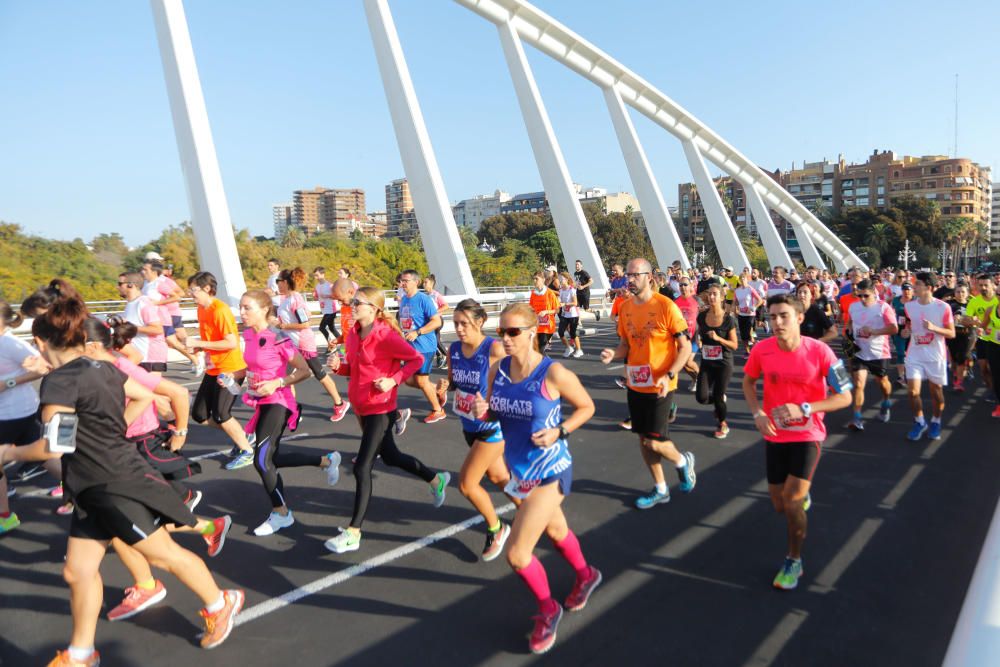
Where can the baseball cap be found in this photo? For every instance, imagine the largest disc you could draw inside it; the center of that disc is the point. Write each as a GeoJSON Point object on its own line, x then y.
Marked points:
{"type": "Point", "coordinates": [152, 255]}
{"type": "Point", "coordinates": [551, 269]}
{"type": "Point", "coordinates": [729, 268]}
{"type": "Point", "coordinates": [906, 286]}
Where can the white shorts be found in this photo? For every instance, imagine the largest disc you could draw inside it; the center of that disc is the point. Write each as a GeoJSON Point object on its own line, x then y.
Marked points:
{"type": "Point", "coordinates": [932, 371]}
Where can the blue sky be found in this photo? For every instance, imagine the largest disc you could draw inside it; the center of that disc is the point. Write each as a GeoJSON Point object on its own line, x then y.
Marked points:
{"type": "Point", "coordinates": [295, 100]}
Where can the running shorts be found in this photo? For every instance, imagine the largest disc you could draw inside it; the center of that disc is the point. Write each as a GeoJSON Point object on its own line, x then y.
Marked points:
{"type": "Point", "coordinates": [797, 459]}
{"type": "Point", "coordinates": [154, 366]}
{"type": "Point", "coordinates": [212, 401]}
{"type": "Point", "coordinates": [932, 371]}
{"type": "Point", "coordinates": [101, 516]}
{"type": "Point", "coordinates": [877, 367]}
{"type": "Point", "coordinates": [20, 431]}
{"type": "Point", "coordinates": [425, 368]}
{"type": "Point", "coordinates": [650, 414]}
{"type": "Point", "coordinates": [491, 436]}
{"type": "Point", "coordinates": [960, 348]}
{"type": "Point", "coordinates": [177, 321]}
{"type": "Point", "coordinates": [317, 367]}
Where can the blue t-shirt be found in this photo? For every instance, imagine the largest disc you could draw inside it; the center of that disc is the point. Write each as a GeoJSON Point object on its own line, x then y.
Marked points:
{"type": "Point", "coordinates": [414, 312]}
{"type": "Point", "coordinates": [619, 283]}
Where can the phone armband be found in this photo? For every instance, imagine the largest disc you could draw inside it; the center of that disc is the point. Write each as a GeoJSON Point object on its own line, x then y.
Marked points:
{"type": "Point", "coordinates": [60, 433]}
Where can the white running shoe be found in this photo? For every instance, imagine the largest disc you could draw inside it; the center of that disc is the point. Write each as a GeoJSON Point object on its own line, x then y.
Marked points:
{"type": "Point", "coordinates": [274, 523]}
{"type": "Point", "coordinates": [333, 471]}
{"type": "Point", "coordinates": [578, 353]}
{"type": "Point", "coordinates": [569, 352]}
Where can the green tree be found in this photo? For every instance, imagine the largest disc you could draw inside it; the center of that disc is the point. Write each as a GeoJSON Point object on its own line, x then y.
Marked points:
{"type": "Point", "coordinates": [546, 244]}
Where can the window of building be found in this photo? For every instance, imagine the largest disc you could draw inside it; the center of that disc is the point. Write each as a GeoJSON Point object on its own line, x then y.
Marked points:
{"type": "Point", "coordinates": [881, 201]}
{"type": "Point", "coordinates": [959, 169]}
{"type": "Point", "coordinates": [895, 174]}
{"type": "Point", "coordinates": [880, 190]}
{"type": "Point", "coordinates": [861, 201]}
{"type": "Point", "coordinates": [930, 184]}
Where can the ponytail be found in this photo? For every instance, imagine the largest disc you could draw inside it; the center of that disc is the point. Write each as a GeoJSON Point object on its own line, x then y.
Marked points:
{"type": "Point", "coordinates": [62, 325]}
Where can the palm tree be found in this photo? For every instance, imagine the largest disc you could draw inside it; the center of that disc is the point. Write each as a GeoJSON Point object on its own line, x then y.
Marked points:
{"type": "Point", "coordinates": [877, 237]}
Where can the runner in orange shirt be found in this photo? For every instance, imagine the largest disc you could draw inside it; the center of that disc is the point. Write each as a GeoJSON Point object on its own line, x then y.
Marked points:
{"type": "Point", "coordinates": [655, 347]}
{"type": "Point", "coordinates": [225, 369]}
{"type": "Point", "coordinates": [545, 303]}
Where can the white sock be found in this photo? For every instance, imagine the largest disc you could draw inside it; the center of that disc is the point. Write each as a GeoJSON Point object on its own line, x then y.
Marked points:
{"type": "Point", "coordinates": [217, 606]}
{"type": "Point", "coordinates": [682, 464]}
{"type": "Point", "coordinates": [77, 654]}
{"type": "Point", "coordinates": [935, 420]}
{"type": "Point", "coordinates": [661, 487]}
{"type": "Point", "coordinates": [920, 420]}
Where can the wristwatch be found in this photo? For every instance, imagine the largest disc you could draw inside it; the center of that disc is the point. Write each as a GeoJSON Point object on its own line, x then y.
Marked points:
{"type": "Point", "coordinates": [563, 433]}
{"type": "Point", "coordinates": [180, 431]}
{"type": "Point", "coordinates": [671, 375]}
{"type": "Point", "coordinates": [807, 409]}
{"type": "Point", "coordinates": [11, 383]}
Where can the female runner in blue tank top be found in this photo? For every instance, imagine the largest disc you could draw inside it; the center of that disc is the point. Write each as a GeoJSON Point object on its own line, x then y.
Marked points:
{"type": "Point", "coordinates": [525, 393]}
{"type": "Point", "coordinates": [469, 362]}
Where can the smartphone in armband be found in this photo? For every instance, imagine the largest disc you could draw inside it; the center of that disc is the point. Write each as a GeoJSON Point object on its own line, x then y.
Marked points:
{"type": "Point", "coordinates": [302, 315]}
{"type": "Point", "coordinates": [838, 378]}
{"type": "Point", "coordinates": [60, 433]}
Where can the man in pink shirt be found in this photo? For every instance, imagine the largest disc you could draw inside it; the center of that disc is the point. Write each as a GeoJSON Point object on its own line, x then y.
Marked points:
{"type": "Point", "coordinates": [798, 374]}
{"type": "Point", "coordinates": [140, 311]}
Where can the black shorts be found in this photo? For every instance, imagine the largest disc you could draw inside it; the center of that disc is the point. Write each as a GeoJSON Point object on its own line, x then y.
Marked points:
{"type": "Point", "coordinates": [20, 431]}
{"type": "Point", "coordinates": [488, 436]}
{"type": "Point", "coordinates": [99, 515]}
{"type": "Point", "coordinates": [569, 323]}
{"type": "Point", "coordinates": [154, 366]}
{"type": "Point", "coordinates": [317, 367]}
{"type": "Point", "coordinates": [650, 414]}
{"type": "Point", "coordinates": [960, 347]}
{"type": "Point", "coordinates": [983, 348]}
{"type": "Point", "coordinates": [583, 299]}
{"type": "Point", "coordinates": [153, 447]}
{"type": "Point", "coordinates": [212, 401]}
{"type": "Point", "coordinates": [797, 459]}
{"type": "Point", "coordinates": [877, 367]}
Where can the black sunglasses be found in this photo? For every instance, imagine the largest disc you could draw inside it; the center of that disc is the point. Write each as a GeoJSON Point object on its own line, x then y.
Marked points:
{"type": "Point", "coordinates": [513, 332]}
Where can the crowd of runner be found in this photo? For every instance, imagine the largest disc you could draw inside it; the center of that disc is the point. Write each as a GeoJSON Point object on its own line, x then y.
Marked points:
{"type": "Point", "coordinates": [110, 429]}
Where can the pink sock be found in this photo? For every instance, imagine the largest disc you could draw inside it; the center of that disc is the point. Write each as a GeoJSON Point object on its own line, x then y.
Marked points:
{"type": "Point", "coordinates": [569, 547]}
{"type": "Point", "coordinates": [534, 575]}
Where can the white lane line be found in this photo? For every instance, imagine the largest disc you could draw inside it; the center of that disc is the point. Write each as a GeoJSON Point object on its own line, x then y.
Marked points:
{"type": "Point", "coordinates": [282, 601]}
{"type": "Point", "coordinates": [616, 367]}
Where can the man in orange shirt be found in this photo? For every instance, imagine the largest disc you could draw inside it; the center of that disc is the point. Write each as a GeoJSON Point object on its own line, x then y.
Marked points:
{"type": "Point", "coordinates": [343, 291]}
{"type": "Point", "coordinates": [655, 347]}
{"type": "Point", "coordinates": [220, 341]}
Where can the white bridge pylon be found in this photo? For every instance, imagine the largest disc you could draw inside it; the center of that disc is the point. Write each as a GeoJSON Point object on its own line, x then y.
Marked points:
{"type": "Point", "coordinates": [516, 21]}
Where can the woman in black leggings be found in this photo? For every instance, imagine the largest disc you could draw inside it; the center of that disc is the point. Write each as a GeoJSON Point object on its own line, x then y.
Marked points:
{"type": "Point", "coordinates": [717, 334]}
{"type": "Point", "coordinates": [378, 359]}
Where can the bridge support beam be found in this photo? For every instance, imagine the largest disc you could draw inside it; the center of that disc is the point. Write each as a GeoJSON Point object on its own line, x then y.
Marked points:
{"type": "Point", "coordinates": [574, 234]}
{"type": "Point", "coordinates": [777, 253]}
{"type": "Point", "coordinates": [442, 244]}
{"type": "Point", "coordinates": [810, 255]}
{"type": "Point", "coordinates": [213, 228]}
{"type": "Point", "coordinates": [662, 231]}
{"type": "Point", "coordinates": [726, 241]}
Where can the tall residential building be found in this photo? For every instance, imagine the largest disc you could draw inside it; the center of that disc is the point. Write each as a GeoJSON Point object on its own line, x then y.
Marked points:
{"type": "Point", "coordinates": [995, 218]}
{"type": "Point", "coordinates": [614, 202]}
{"type": "Point", "coordinates": [527, 202]}
{"type": "Point", "coordinates": [284, 217]}
{"type": "Point", "coordinates": [401, 220]}
{"type": "Point", "coordinates": [377, 222]}
{"type": "Point", "coordinates": [337, 210]}
{"type": "Point", "coordinates": [471, 212]}
{"type": "Point", "coordinates": [692, 223]}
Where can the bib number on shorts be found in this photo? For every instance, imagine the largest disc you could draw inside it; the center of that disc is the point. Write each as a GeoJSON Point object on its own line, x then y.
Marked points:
{"type": "Point", "coordinates": [640, 376]}
{"type": "Point", "coordinates": [711, 352]}
{"type": "Point", "coordinates": [520, 488]}
{"type": "Point", "coordinates": [462, 403]}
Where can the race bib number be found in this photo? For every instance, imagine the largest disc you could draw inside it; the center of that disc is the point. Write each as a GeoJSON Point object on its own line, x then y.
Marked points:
{"type": "Point", "coordinates": [544, 320]}
{"type": "Point", "coordinates": [462, 404]}
{"type": "Point", "coordinates": [520, 488]}
{"type": "Point", "coordinates": [901, 320]}
{"type": "Point", "coordinates": [711, 352]}
{"type": "Point", "coordinates": [925, 339]}
{"type": "Point", "coordinates": [800, 424]}
{"type": "Point", "coordinates": [640, 376]}
{"type": "Point", "coordinates": [746, 310]}
{"type": "Point", "coordinates": [405, 320]}
{"type": "Point", "coordinates": [251, 383]}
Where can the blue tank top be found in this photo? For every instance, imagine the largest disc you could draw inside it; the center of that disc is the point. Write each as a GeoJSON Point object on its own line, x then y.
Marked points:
{"type": "Point", "coordinates": [469, 376]}
{"type": "Point", "coordinates": [522, 409]}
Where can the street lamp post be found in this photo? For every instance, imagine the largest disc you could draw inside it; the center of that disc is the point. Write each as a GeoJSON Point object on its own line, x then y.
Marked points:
{"type": "Point", "coordinates": [906, 256]}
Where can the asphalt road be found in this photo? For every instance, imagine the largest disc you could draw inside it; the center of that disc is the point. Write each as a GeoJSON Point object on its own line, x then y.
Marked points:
{"type": "Point", "coordinates": [895, 532]}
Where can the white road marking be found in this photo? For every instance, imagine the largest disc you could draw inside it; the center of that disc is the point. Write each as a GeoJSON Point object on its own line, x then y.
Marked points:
{"type": "Point", "coordinates": [282, 601]}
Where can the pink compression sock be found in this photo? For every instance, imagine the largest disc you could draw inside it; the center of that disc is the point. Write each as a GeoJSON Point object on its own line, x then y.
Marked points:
{"type": "Point", "coordinates": [536, 579]}
{"type": "Point", "coordinates": [569, 547]}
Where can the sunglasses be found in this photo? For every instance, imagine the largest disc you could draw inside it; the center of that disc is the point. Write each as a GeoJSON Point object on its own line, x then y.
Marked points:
{"type": "Point", "coordinates": [358, 302]}
{"type": "Point", "coordinates": [865, 296]}
{"type": "Point", "coordinates": [513, 332]}
{"type": "Point", "coordinates": [683, 284]}
{"type": "Point", "coordinates": [120, 284]}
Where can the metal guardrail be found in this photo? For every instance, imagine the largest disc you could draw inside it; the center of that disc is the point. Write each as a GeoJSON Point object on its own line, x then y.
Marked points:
{"type": "Point", "coordinates": [493, 299]}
